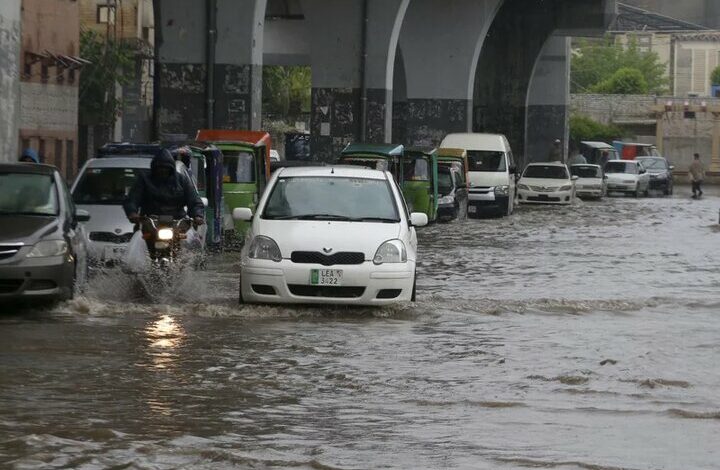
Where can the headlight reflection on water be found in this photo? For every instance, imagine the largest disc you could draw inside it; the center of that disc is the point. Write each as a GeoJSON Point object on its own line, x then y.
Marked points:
{"type": "Point", "coordinates": [165, 335]}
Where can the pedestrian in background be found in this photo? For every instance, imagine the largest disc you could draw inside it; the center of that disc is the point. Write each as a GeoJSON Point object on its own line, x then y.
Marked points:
{"type": "Point", "coordinates": [576, 157]}
{"type": "Point", "coordinates": [697, 176]}
{"type": "Point", "coordinates": [556, 154]}
{"type": "Point", "coordinates": [30, 156]}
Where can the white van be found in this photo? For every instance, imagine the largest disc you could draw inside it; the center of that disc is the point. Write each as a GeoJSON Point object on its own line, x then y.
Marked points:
{"type": "Point", "coordinates": [491, 171]}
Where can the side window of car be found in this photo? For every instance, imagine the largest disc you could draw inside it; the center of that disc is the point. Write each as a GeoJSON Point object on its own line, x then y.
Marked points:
{"type": "Point", "coordinates": [457, 179]}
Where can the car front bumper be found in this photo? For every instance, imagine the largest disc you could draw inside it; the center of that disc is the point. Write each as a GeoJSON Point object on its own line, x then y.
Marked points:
{"type": "Point", "coordinates": [447, 211]}
{"type": "Point", "coordinates": [40, 278]}
{"type": "Point", "coordinates": [105, 253]}
{"type": "Point", "coordinates": [485, 201]}
{"type": "Point", "coordinates": [589, 192]}
{"type": "Point", "coordinates": [526, 196]}
{"type": "Point", "coordinates": [286, 282]}
{"type": "Point", "coordinates": [622, 187]}
{"type": "Point", "coordinates": [659, 183]}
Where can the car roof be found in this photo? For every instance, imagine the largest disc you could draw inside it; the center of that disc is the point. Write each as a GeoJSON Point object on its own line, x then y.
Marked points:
{"type": "Point", "coordinates": [547, 164]}
{"type": "Point", "coordinates": [476, 141]}
{"type": "Point", "coordinates": [119, 162]}
{"type": "Point", "coordinates": [380, 149]}
{"type": "Point", "coordinates": [586, 165]}
{"type": "Point", "coordinates": [31, 168]}
{"type": "Point", "coordinates": [337, 171]}
{"type": "Point", "coordinates": [597, 145]}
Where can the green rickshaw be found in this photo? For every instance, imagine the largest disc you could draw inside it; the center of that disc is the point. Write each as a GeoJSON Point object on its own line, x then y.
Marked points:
{"type": "Point", "coordinates": [420, 181]}
{"type": "Point", "coordinates": [246, 171]}
{"type": "Point", "coordinates": [386, 157]}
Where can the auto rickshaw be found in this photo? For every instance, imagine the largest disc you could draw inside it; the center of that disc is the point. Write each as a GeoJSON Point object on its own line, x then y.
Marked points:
{"type": "Point", "coordinates": [420, 181]}
{"type": "Point", "coordinates": [246, 171]}
{"type": "Point", "coordinates": [456, 161]}
{"type": "Point", "coordinates": [207, 169]}
{"type": "Point", "coordinates": [386, 157]}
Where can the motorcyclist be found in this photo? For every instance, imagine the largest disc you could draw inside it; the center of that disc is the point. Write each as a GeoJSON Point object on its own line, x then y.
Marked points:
{"type": "Point", "coordinates": [164, 192]}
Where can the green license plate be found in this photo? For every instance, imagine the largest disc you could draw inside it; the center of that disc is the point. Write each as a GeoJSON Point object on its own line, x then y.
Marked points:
{"type": "Point", "coordinates": [326, 277]}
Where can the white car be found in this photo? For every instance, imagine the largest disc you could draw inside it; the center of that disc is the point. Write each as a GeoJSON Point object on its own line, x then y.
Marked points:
{"type": "Point", "coordinates": [627, 176]}
{"type": "Point", "coordinates": [591, 181]}
{"type": "Point", "coordinates": [330, 235]}
{"type": "Point", "coordinates": [546, 183]}
{"type": "Point", "coordinates": [101, 188]}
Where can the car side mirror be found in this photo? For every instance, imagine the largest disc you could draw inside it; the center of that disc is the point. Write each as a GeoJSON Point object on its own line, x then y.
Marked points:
{"type": "Point", "coordinates": [81, 215]}
{"type": "Point", "coordinates": [671, 168]}
{"type": "Point", "coordinates": [205, 201]}
{"type": "Point", "coordinates": [574, 177]}
{"type": "Point", "coordinates": [242, 213]}
{"type": "Point", "coordinates": [418, 219]}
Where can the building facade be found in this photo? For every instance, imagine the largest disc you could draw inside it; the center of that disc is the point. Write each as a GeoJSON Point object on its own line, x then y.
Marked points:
{"type": "Point", "coordinates": [49, 81]}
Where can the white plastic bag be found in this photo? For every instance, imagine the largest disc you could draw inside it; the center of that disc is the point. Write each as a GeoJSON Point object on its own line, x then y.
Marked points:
{"type": "Point", "coordinates": [137, 256]}
{"type": "Point", "coordinates": [193, 240]}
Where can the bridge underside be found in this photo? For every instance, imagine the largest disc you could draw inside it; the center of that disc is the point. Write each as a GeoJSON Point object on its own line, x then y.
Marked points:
{"type": "Point", "coordinates": [406, 71]}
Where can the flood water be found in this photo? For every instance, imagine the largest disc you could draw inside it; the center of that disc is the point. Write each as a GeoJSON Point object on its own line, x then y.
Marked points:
{"type": "Point", "coordinates": [585, 337]}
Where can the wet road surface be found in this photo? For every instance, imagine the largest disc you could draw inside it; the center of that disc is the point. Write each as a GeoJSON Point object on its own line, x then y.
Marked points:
{"type": "Point", "coordinates": [574, 338]}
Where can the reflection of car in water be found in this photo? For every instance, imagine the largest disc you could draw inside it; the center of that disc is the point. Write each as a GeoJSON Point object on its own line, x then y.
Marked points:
{"type": "Point", "coordinates": [42, 243]}
{"type": "Point", "coordinates": [546, 183]}
{"type": "Point", "coordinates": [591, 181]}
{"type": "Point", "coordinates": [661, 173]}
{"type": "Point", "coordinates": [330, 235]}
{"type": "Point", "coordinates": [627, 177]}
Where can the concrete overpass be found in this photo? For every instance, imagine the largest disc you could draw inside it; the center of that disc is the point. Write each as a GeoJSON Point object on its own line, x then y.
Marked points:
{"type": "Point", "coordinates": [408, 71]}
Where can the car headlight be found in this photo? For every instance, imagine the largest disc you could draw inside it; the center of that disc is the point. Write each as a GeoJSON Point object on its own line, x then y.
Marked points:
{"type": "Point", "coordinates": [565, 188]}
{"type": "Point", "coordinates": [524, 187]}
{"type": "Point", "coordinates": [165, 234]}
{"type": "Point", "coordinates": [446, 200]}
{"type": "Point", "coordinates": [49, 248]}
{"type": "Point", "coordinates": [392, 251]}
{"type": "Point", "coordinates": [502, 190]}
{"type": "Point", "coordinates": [264, 248]}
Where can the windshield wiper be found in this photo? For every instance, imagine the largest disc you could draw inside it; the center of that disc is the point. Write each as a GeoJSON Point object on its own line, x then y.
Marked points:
{"type": "Point", "coordinates": [313, 217]}
{"type": "Point", "coordinates": [384, 220]}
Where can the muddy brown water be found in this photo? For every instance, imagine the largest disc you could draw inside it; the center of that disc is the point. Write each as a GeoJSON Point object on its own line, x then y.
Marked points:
{"type": "Point", "coordinates": [585, 337]}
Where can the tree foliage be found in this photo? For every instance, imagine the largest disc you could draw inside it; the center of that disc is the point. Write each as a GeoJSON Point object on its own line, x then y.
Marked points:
{"type": "Point", "coordinates": [112, 64]}
{"type": "Point", "coordinates": [595, 62]}
{"type": "Point", "coordinates": [286, 90]}
{"type": "Point", "coordinates": [715, 76]}
{"type": "Point", "coordinates": [585, 128]}
{"type": "Point", "coordinates": [626, 81]}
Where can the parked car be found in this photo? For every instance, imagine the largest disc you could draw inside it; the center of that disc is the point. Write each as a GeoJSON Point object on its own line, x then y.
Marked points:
{"type": "Point", "coordinates": [627, 176]}
{"type": "Point", "coordinates": [453, 194]}
{"type": "Point", "coordinates": [491, 174]}
{"type": "Point", "coordinates": [591, 181]}
{"type": "Point", "coordinates": [546, 183]}
{"type": "Point", "coordinates": [661, 173]}
{"type": "Point", "coordinates": [330, 235]}
{"type": "Point", "coordinates": [42, 243]}
{"type": "Point", "coordinates": [101, 188]}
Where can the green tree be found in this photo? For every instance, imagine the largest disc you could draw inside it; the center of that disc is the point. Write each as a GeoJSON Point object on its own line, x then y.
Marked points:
{"type": "Point", "coordinates": [112, 64]}
{"type": "Point", "coordinates": [286, 90]}
{"type": "Point", "coordinates": [625, 81]}
{"type": "Point", "coordinates": [596, 61]}
{"type": "Point", "coordinates": [585, 128]}
{"type": "Point", "coordinates": [715, 76]}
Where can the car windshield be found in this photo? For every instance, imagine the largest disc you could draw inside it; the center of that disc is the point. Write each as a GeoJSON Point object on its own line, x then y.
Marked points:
{"type": "Point", "coordinates": [546, 171]}
{"type": "Point", "coordinates": [586, 171]}
{"type": "Point", "coordinates": [106, 185]}
{"type": "Point", "coordinates": [331, 198]}
{"type": "Point", "coordinates": [238, 167]}
{"type": "Point", "coordinates": [445, 183]}
{"type": "Point", "coordinates": [653, 165]}
{"type": "Point", "coordinates": [416, 169]}
{"type": "Point", "coordinates": [621, 167]}
{"type": "Point", "coordinates": [484, 160]}
{"type": "Point", "coordinates": [27, 194]}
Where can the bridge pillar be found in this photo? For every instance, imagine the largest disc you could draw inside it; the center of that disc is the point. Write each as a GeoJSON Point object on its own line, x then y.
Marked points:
{"type": "Point", "coordinates": [336, 45]}
{"type": "Point", "coordinates": [440, 48]}
{"type": "Point", "coordinates": [188, 94]}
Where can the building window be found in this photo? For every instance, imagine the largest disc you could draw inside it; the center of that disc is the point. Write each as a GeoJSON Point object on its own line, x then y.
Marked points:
{"type": "Point", "coordinates": [106, 14]}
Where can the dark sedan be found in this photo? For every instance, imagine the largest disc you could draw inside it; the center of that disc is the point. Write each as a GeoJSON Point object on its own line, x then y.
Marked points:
{"type": "Point", "coordinates": [661, 173]}
{"type": "Point", "coordinates": [42, 244]}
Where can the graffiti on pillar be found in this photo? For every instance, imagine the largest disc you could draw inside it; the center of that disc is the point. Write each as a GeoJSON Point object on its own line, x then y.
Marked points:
{"type": "Point", "coordinates": [335, 110]}
{"type": "Point", "coordinates": [376, 115]}
{"type": "Point", "coordinates": [189, 78]}
{"type": "Point", "coordinates": [181, 108]}
{"type": "Point", "coordinates": [236, 79]}
{"type": "Point", "coordinates": [238, 116]}
{"type": "Point", "coordinates": [427, 121]}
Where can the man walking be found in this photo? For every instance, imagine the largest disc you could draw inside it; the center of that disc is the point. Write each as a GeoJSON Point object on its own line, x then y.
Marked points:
{"type": "Point", "coordinates": [556, 154]}
{"type": "Point", "coordinates": [697, 176]}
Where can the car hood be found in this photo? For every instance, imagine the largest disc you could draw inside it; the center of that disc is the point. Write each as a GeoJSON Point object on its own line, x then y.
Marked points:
{"type": "Point", "coordinates": [106, 218]}
{"type": "Point", "coordinates": [620, 177]}
{"type": "Point", "coordinates": [589, 181]}
{"type": "Point", "coordinates": [26, 229]}
{"type": "Point", "coordinates": [545, 182]}
{"type": "Point", "coordinates": [304, 235]}
{"type": "Point", "coordinates": [487, 179]}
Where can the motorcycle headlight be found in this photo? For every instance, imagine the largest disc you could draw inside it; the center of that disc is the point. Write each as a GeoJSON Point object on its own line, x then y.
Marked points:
{"type": "Point", "coordinates": [524, 187]}
{"type": "Point", "coordinates": [566, 187]}
{"type": "Point", "coordinates": [264, 248]}
{"type": "Point", "coordinates": [446, 200]}
{"type": "Point", "coordinates": [392, 251]}
{"type": "Point", "coordinates": [165, 234]}
{"type": "Point", "coordinates": [48, 248]}
{"type": "Point", "coordinates": [502, 190]}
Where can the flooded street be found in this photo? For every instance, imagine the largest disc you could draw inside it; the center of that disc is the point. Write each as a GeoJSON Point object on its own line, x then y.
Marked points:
{"type": "Point", "coordinates": [585, 337]}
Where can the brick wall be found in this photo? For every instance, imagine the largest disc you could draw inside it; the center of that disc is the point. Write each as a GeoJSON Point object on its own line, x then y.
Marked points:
{"type": "Point", "coordinates": [125, 19]}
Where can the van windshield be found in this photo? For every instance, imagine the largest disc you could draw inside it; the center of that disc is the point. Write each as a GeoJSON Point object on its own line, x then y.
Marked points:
{"type": "Point", "coordinates": [486, 160]}
{"type": "Point", "coordinates": [238, 167]}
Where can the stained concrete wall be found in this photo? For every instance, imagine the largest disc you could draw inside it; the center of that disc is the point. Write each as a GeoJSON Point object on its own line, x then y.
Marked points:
{"type": "Point", "coordinates": [9, 78]}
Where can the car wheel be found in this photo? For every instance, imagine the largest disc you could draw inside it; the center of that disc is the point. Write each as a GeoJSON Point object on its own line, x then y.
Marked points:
{"type": "Point", "coordinates": [414, 290]}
